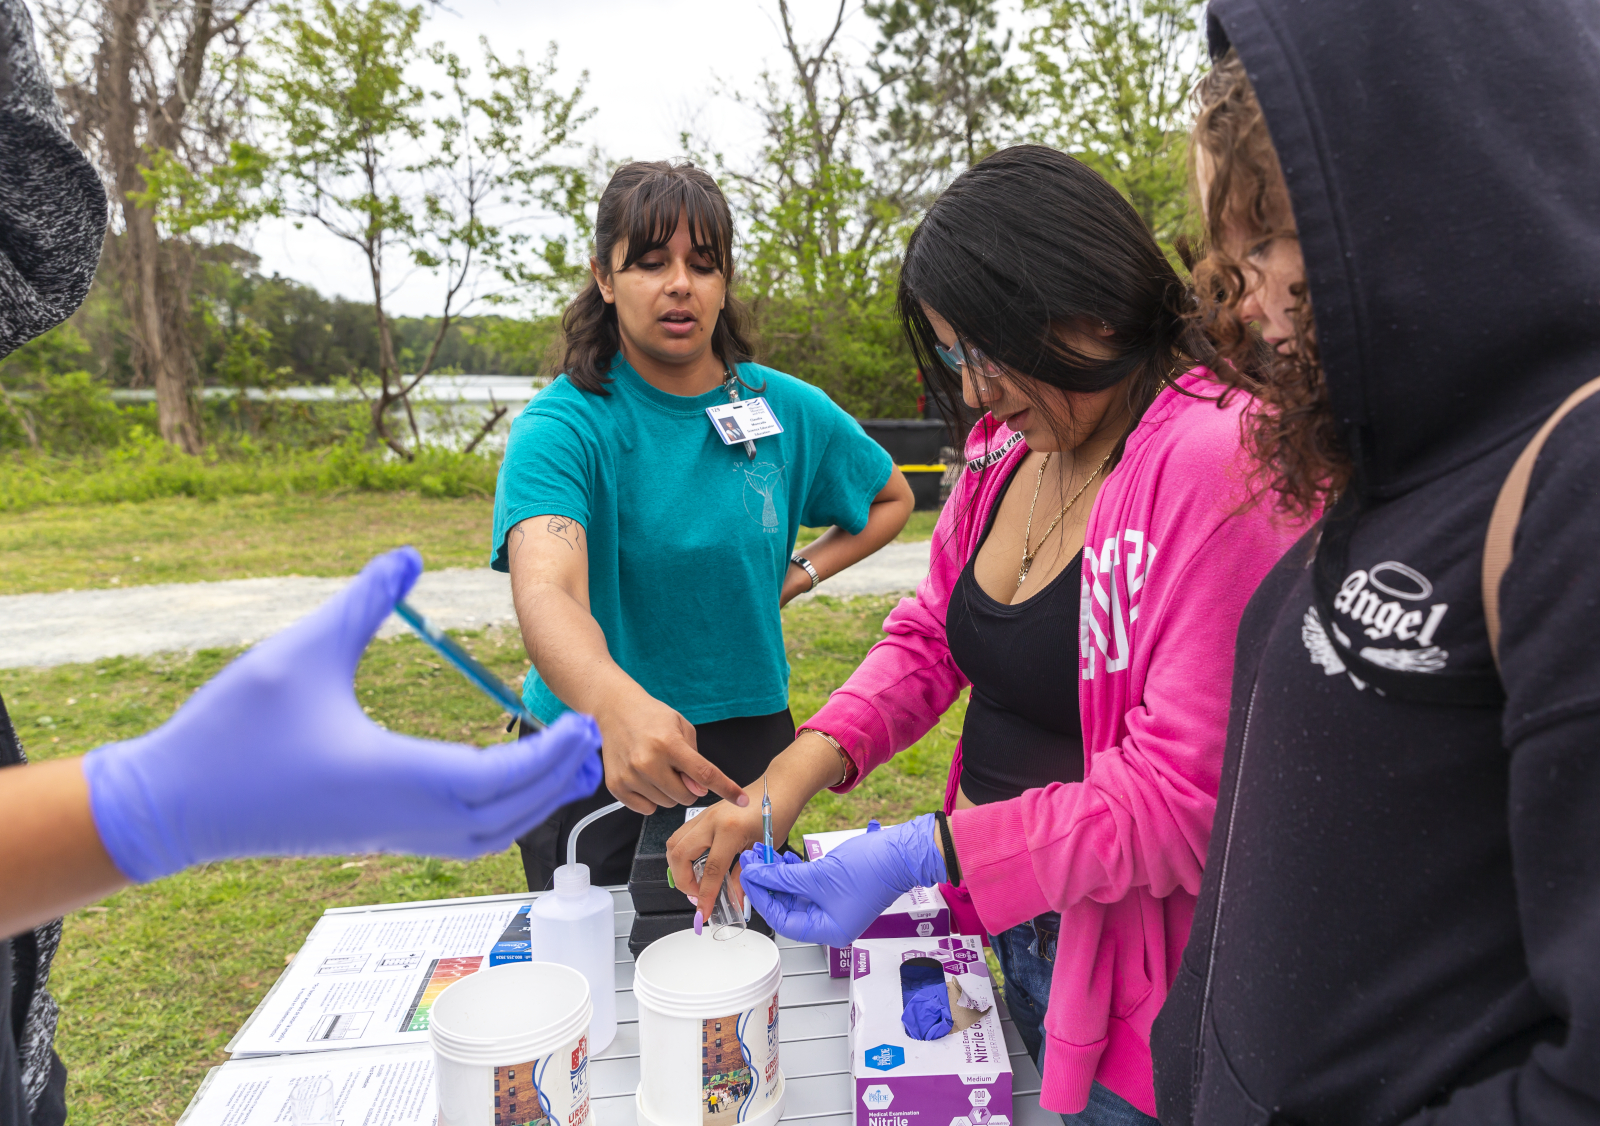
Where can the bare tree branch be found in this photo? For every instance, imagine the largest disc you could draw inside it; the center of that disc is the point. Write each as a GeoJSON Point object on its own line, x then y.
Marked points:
{"type": "Point", "coordinates": [137, 80]}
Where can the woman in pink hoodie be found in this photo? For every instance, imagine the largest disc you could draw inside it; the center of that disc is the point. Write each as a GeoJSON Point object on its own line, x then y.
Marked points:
{"type": "Point", "coordinates": [1086, 579]}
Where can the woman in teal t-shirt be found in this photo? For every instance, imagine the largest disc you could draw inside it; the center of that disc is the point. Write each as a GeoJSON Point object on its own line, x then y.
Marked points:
{"type": "Point", "coordinates": [649, 543]}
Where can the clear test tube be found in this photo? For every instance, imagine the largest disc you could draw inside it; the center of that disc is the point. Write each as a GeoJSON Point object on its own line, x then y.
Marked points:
{"type": "Point", "coordinates": [726, 919]}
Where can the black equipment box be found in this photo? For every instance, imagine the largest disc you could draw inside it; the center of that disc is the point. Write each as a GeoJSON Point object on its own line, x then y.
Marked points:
{"type": "Point", "coordinates": [647, 882]}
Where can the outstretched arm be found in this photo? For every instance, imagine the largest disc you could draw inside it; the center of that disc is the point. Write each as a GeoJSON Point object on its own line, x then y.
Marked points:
{"type": "Point", "coordinates": [54, 859]}
{"type": "Point", "coordinates": [275, 757]}
{"type": "Point", "coordinates": [906, 682]}
{"type": "Point", "coordinates": [650, 751]}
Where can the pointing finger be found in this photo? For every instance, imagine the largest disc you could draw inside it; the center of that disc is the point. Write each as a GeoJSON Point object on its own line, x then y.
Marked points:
{"type": "Point", "coordinates": [702, 770]}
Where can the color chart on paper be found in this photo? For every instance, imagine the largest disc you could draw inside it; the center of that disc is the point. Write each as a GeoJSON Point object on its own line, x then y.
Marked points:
{"type": "Point", "coordinates": [369, 976]}
{"type": "Point", "coordinates": [441, 972]}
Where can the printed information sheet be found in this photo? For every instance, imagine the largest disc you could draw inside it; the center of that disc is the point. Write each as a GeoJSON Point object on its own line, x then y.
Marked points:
{"type": "Point", "coordinates": [364, 1087]}
{"type": "Point", "coordinates": [370, 978]}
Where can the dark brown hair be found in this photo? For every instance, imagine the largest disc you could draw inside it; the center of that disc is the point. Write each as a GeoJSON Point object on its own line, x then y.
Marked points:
{"type": "Point", "coordinates": [1291, 431]}
{"type": "Point", "coordinates": [641, 208]}
{"type": "Point", "coordinates": [1027, 243]}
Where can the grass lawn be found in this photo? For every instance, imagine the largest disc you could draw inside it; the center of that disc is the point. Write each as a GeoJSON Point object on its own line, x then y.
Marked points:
{"type": "Point", "coordinates": [155, 980]}
{"type": "Point", "coordinates": [181, 539]}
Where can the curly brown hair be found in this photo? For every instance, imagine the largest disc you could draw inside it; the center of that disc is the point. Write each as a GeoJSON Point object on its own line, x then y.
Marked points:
{"type": "Point", "coordinates": [1292, 431]}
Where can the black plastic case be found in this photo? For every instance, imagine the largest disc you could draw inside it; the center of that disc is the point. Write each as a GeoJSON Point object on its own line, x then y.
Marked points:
{"type": "Point", "coordinates": [647, 882]}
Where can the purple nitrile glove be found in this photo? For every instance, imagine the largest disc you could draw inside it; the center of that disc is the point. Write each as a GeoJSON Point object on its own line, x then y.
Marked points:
{"type": "Point", "coordinates": [926, 1015]}
{"type": "Point", "coordinates": [832, 900]}
{"type": "Point", "coordinates": [274, 757]}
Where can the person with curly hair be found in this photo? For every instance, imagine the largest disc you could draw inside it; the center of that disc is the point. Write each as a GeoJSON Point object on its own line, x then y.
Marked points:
{"type": "Point", "coordinates": [1398, 922]}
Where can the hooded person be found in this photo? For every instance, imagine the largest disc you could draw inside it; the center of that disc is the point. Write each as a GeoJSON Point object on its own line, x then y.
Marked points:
{"type": "Point", "coordinates": [1398, 920]}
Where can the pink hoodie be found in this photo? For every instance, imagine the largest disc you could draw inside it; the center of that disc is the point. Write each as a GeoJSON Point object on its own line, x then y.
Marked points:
{"type": "Point", "coordinates": [1169, 563]}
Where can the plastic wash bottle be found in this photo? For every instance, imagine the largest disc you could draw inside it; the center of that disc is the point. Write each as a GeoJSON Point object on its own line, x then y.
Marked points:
{"type": "Point", "coordinates": [575, 925]}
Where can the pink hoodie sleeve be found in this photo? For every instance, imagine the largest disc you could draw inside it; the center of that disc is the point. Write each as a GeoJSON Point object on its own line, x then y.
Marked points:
{"type": "Point", "coordinates": [907, 680]}
{"type": "Point", "coordinates": [1142, 815]}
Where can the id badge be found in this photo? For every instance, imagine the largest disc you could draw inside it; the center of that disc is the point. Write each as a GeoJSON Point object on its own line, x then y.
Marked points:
{"type": "Point", "coordinates": [743, 421]}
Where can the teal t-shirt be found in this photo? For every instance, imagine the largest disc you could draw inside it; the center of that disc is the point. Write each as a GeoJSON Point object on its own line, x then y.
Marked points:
{"type": "Point", "coordinates": [689, 539]}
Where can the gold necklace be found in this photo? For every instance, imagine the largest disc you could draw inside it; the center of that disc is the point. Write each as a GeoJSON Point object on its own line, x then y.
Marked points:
{"type": "Point", "coordinates": [1027, 535]}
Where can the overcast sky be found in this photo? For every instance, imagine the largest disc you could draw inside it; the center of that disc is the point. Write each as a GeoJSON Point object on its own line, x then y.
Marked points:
{"type": "Point", "coordinates": [653, 68]}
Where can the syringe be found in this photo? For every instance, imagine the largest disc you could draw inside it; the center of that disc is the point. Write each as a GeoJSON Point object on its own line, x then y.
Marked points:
{"type": "Point", "coordinates": [766, 825]}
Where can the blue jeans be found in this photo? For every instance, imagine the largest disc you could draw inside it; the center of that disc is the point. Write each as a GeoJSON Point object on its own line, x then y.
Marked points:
{"type": "Point", "coordinates": [1026, 954]}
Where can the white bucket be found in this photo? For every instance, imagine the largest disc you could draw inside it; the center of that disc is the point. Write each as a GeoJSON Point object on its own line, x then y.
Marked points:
{"type": "Point", "coordinates": [708, 1031]}
{"type": "Point", "coordinates": [511, 1045]}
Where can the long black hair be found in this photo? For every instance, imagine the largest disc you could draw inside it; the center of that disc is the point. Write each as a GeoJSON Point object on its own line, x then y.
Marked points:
{"type": "Point", "coordinates": [1026, 246]}
{"type": "Point", "coordinates": [642, 206]}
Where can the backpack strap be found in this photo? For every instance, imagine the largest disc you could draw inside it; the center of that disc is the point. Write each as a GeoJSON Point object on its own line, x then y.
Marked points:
{"type": "Point", "coordinates": [1497, 543]}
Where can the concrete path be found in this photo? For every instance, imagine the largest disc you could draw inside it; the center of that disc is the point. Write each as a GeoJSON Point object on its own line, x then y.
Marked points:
{"type": "Point", "coordinates": [898, 567]}
{"type": "Point", "coordinates": [74, 626]}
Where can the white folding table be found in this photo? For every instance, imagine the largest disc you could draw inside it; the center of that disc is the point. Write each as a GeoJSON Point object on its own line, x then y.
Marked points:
{"type": "Point", "coordinates": [814, 1031]}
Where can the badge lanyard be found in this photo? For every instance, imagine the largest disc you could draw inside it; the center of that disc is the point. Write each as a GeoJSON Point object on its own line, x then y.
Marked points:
{"type": "Point", "coordinates": [732, 385]}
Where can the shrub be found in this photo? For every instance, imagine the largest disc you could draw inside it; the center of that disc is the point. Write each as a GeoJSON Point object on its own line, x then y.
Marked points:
{"type": "Point", "coordinates": [143, 467]}
{"type": "Point", "coordinates": [75, 413]}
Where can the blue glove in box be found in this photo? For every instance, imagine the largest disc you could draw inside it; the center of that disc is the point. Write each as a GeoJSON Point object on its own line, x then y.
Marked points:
{"type": "Point", "coordinates": [962, 1075]}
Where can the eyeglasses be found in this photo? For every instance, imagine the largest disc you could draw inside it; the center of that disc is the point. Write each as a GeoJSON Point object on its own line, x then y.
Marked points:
{"type": "Point", "coordinates": [957, 358]}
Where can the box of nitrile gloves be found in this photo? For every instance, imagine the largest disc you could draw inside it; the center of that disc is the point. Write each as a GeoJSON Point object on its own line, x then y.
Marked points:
{"type": "Point", "coordinates": [963, 1078]}
{"type": "Point", "coordinates": [919, 913]}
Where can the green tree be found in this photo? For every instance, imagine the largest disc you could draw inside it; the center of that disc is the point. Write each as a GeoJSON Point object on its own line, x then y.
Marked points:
{"type": "Point", "coordinates": [850, 155]}
{"type": "Point", "coordinates": [48, 400]}
{"type": "Point", "coordinates": [1110, 83]}
{"type": "Point", "coordinates": [360, 153]}
{"type": "Point", "coordinates": [152, 92]}
{"type": "Point", "coordinates": [947, 92]}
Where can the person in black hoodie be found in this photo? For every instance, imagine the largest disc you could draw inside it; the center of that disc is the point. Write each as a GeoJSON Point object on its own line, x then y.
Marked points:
{"type": "Point", "coordinates": [1400, 918]}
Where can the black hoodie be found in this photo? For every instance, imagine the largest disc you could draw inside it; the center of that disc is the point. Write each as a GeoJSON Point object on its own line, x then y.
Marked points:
{"type": "Point", "coordinates": [1400, 920]}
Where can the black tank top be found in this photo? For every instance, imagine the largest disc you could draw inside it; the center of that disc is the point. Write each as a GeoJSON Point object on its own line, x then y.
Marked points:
{"type": "Point", "coordinates": [1023, 728]}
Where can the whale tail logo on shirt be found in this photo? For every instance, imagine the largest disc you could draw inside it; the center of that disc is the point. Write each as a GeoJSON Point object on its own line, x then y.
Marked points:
{"type": "Point", "coordinates": [763, 479]}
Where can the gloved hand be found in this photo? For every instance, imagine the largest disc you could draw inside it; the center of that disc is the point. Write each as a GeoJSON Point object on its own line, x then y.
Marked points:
{"type": "Point", "coordinates": [925, 1002]}
{"type": "Point", "coordinates": [274, 757]}
{"type": "Point", "coordinates": [832, 900]}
